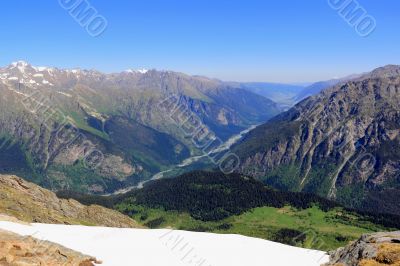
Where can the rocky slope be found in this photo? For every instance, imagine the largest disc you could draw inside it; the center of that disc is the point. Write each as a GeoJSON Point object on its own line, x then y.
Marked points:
{"type": "Point", "coordinates": [55, 122]}
{"type": "Point", "coordinates": [18, 250]}
{"type": "Point", "coordinates": [370, 250]}
{"type": "Point", "coordinates": [343, 143]}
{"type": "Point", "coordinates": [31, 203]}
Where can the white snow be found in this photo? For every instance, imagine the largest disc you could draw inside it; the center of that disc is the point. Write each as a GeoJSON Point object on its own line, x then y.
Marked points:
{"type": "Point", "coordinates": [46, 82]}
{"type": "Point", "coordinates": [145, 247]}
{"type": "Point", "coordinates": [21, 65]}
{"type": "Point", "coordinates": [50, 71]}
{"type": "Point", "coordinates": [141, 71]}
{"type": "Point", "coordinates": [65, 94]}
{"type": "Point", "coordinates": [40, 69]}
{"type": "Point", "coordinates": [38, 75]}
{"type": "Point", "coordinates": [13, 78]}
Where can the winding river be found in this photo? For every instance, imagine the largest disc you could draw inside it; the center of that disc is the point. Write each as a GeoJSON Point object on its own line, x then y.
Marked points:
{"type": "Point", "coordinates": [187, 162]}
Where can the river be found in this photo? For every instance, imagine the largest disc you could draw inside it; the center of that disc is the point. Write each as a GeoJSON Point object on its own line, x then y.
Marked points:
{"type": "Point", "coordinates": [224, 147]}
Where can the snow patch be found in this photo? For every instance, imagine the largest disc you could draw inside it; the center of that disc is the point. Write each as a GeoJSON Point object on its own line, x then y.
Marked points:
{"type": "Point", "coordinates": [145, 247]}
{"type": "Point", "coordinates": [46, 82]}
{"type": "Point", "coordinates": [40, 69]}
{"type": "Point", "coordinates": [143, 71]}
{"type": "Point", "coordinates": [65, 94]}
{"type": "Point", "coordinates": [140, 71]}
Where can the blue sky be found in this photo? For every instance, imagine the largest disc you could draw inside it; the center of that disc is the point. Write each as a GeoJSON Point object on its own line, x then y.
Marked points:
{"type": "Point", "coordinates": [241, 40]}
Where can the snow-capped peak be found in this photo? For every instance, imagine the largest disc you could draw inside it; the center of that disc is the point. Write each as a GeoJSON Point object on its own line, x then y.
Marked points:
{"type": "Point", "coordinates": [21, 65]}
{"type": "Point", "coordinates": [140, 71]}
{"type": "Point", "coordinates": [40, 69]}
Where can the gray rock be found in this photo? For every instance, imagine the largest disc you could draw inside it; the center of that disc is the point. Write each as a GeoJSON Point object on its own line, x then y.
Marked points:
{"type": "Point", "coordinates": [364, 248]}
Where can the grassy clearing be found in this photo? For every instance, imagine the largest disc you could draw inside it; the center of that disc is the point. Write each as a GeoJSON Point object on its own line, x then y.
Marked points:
{"type": "Point", "coordinates": [310, 228]}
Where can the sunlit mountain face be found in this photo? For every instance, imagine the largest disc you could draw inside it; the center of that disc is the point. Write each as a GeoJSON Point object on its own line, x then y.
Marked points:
{"type": "Point", "coordinates": [55, 121]}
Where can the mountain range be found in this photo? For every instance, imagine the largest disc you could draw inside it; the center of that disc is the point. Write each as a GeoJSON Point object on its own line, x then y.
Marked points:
{"type": "Point", "coordinates": [342, 144]}
{"type": "Point", "coordinates": [92, 132]}
{"type": "Point", "coordinates": [287, 95]}
{"type": "Point", "coordinates": [54, 122]}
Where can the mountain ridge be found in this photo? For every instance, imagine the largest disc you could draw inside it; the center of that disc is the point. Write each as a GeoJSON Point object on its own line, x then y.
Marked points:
{"type": "Point", "coordinates": [55, 122]}
{"type": "Point", "coordinates": [334, 144]}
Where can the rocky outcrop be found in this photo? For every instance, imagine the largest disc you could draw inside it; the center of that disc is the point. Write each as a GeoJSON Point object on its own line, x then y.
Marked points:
{"type": "Point", "coordinates": [370, 250]}
{"type": "Point", "coordinates": [18, 250]}
{"type": "Point", "coordinates": [31, 203]}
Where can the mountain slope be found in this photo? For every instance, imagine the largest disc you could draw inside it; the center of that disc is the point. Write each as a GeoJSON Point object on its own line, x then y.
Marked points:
{"type": "Point", "coordinates": [55, 122]}
{"type": "Point", "coordinates": [31, 203]}
{"type": "Point", "coordinates": [342, 144]}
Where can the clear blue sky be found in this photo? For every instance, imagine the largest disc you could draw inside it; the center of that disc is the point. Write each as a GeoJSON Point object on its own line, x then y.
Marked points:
{"type": "Point", "coordinates": [242, 40]}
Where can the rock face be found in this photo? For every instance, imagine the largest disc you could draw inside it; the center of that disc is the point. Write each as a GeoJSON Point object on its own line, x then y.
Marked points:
{"type": "Point", "coordinates": [31, 203]}
{"type": "Point", "coordinates": [342, 144]}
{"type": "Point", "coordinates": [370, 250]}
{"type": "Point", "coordinates": [18, 250]}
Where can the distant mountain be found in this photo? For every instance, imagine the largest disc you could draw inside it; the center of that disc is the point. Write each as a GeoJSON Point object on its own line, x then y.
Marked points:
{"type": "Point", "coordinates": [56, 121]}
{"type": "Point", "coordinates": [283, 94]}
{"type": "Point", "coordinates": [342, 144]}
{"type": "Point", "coordinates": [287, 95]}
{"type": "Point", "coordinates": [317, 87]}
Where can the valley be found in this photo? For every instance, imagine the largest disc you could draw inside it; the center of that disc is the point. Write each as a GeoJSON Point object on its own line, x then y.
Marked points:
{"type": "Point", "coordinates": [292, 186]}
{"type": "Point", "coordinates": [80, 118]}
{"type": "Point", "coordinates": [200, 133]}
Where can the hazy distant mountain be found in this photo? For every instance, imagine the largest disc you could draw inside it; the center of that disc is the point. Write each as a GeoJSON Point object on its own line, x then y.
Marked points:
{"type": "Point", "coordinates": [283, 94]}
{"type": "Point", "coordinates": [287, 95]}
{"type": "Point", "coordinates": [117, 114]}
{"type": "Point", "coordinates": [317, 87]}
{"type": "Point", "coordinates": [343, 143]}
